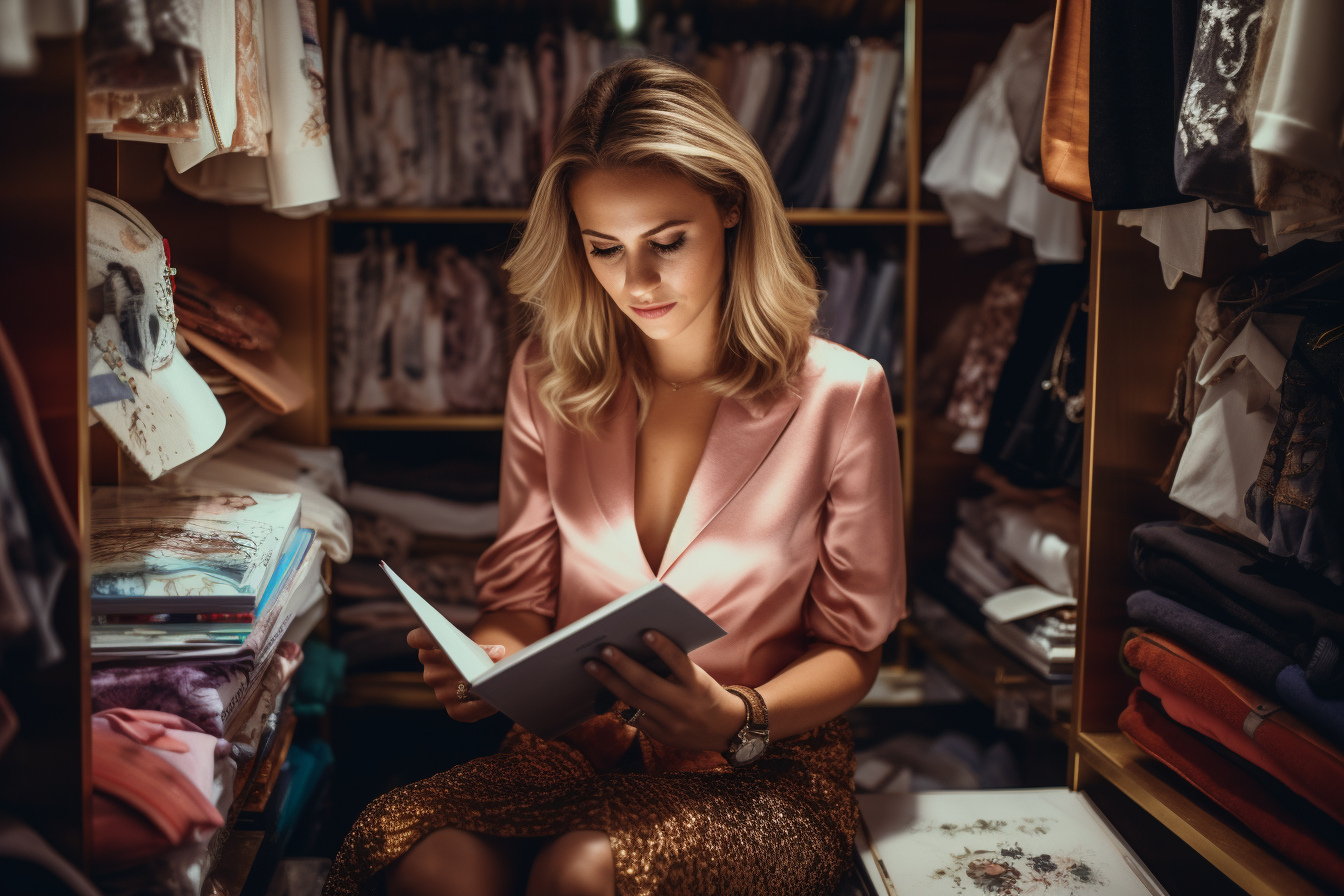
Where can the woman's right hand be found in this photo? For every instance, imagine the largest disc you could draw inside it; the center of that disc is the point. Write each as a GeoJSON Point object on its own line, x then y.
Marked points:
{"type": "Point", "coordinates": [443, 677]}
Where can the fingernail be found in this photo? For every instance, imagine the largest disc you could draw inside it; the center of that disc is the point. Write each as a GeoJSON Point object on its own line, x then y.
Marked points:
{"type": "Point", "coordinates": [590, 666]}
{"type": "Point", "coordinates": [650, 637]}
{"type": "Point", "coordinates": [608, 652]}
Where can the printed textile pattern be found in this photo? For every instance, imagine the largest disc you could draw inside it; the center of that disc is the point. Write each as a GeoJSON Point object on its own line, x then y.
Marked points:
{"type": "Point", "coordinates": [991, 340]}
{"type": "Point", "coordinates": [1213, 157]}
{"type": "Point", "coordinates": [254, 119]}
{"type": "Point", "coordinates": [678, 822]}
{"type": "Point", "coordinates": [1297, 497]}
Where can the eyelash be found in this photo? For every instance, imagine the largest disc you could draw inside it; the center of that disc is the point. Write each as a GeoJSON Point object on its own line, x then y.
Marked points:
{"type": "Point", "coordinates": [660, 248]}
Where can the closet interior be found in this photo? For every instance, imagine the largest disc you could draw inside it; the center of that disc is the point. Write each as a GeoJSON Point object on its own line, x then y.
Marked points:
{"type": "Point", "coordinates": [435, 227]}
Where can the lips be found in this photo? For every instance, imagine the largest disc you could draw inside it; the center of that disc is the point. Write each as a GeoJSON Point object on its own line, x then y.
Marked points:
{"type": "Point", "coordinates": [650, 312]}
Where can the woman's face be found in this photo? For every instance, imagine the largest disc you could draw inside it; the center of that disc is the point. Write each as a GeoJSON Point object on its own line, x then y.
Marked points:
{"type": "Point", "coordinates": [656, 245]}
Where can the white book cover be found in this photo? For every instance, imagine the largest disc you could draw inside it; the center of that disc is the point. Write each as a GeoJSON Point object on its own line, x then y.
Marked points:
{"type": "Point", "coordinates": [1032, 842]}
{"type": "Point", "coordinates": [544, 687]}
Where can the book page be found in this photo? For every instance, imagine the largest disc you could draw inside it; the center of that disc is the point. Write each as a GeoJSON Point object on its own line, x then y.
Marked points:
{"type": "Point", "coordinates": [468, 656]}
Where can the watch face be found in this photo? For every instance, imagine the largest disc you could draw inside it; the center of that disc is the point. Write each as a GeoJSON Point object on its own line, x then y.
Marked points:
{"type": "Point", "coordinates": [751, 748]}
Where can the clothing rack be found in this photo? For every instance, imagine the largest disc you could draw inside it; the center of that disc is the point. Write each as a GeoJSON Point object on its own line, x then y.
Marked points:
{"type": "Point", "coordinates": [1138, 331]}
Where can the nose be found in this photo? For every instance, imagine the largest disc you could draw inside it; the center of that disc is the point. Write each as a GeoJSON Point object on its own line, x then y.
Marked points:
{"type": "Point", "coordinates": [641, 277]}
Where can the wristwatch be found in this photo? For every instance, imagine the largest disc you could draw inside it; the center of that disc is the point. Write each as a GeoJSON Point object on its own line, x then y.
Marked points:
{"type": "Point", "coordinates": [748, 744]}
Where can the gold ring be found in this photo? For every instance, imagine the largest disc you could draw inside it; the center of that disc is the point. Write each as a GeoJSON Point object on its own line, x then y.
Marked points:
{"type": "Point", "coordinates": [463, 695]}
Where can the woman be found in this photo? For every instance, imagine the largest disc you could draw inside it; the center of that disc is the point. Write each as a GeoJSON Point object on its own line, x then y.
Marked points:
{"type": "Point", "coordinates": [671, 415]}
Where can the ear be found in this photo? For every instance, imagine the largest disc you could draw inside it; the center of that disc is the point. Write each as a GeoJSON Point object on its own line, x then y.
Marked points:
{"type": "Point", "coordinates": [732, 217]}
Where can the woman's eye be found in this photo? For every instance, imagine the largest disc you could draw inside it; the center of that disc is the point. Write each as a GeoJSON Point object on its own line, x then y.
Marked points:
{"type": "Point", "coordinates": [607, 252]}
{"type": "Point", "coordinates": [668, 248]}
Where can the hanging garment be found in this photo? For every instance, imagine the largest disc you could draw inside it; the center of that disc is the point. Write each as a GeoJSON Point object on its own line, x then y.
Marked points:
{"type": "Point", "coordinates": [547, 55]}
{"type": "Point", "coordinates": [1280, 605]}
{"type": "Point", "coordinates": [299, 169]}
{"type": "Point", "coordinates": [992, 338]}
{"type": "Point", "coordinates": [1131, 117]}
{"type": "Point", "coordinates": [1297, 500]}
{"type": "Point", "coordinates": [1213, 154]}
{"type": "Point", "coordinates": [21, 21]}
{"type": "Point", "coordinates": [142, 46]}
{"type": "Point", "coordinates": [1282, 738]}
{"type": "Point", "coordinates": [978, 174]}
{"type": "Point", "coordinates": [1034, 436]}
{"type": "Point", "coordinates": [1066, 107]}
{"type": "Point", "coordinates": [216, 89]}
{"type": "Point", "coordinates": [811, 188]}
{"type": "Point", "coordinates": [1295, 140]}
{"type": "Point", "coordinates": [1222, 457]}
{"type": "Point", "coordinates": [869, 104]}
{"type": "Point", "coordinates": [793, 153]}
{"type": "Point", "coordinates": [254, 101]}
{"type": "Point", "coordinates": [1231, 787]}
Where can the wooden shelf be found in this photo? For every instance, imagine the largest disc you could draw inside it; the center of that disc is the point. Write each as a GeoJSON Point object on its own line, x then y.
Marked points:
{"type": "Point", "coordinates": [1193, 817]}
{"type": "Point", "coordinates": [872, 217]}
{"type": "Point", "coordinates": [403, 690]}
{"type": "Point", "coordinates": [417, 421]}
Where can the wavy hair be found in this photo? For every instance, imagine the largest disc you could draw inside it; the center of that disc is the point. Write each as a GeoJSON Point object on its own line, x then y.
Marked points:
{"type": "Point", "coordinates": [652, 114]}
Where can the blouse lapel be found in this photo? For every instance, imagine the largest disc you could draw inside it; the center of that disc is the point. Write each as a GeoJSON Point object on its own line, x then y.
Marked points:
{"type": "Point", "coordinates": [610, 457]}
{"type": "Point", "coordinates": [741, 436]}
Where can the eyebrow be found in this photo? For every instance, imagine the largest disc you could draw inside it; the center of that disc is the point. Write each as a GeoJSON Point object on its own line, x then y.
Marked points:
{"type": "Point", "coordinates": [648, 233]}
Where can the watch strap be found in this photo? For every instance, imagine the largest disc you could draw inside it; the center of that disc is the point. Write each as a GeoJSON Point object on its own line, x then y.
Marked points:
{"type": "Point", "coordinates": [757, 714]}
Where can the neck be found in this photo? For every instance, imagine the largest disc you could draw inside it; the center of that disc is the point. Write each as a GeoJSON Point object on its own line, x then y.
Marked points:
{"type": "Point", "coordinates": [691, 353]}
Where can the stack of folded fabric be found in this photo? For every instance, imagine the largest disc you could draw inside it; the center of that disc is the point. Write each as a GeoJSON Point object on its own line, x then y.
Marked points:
{"type": "Point", "coordinates": [862, 309]}
{"type": "Point", "coordinates": [1014, 560]}
{"type": "Point", "coordinates": [1241, 684]}
{"type": "Point", "coordinates": [428, 518]}
{"type": "Point", "coordinates": [198, 601]}
{"type": "Point", "coordinates": [414, 339]}
{"type": "Point", "coordinates": [474, 125]}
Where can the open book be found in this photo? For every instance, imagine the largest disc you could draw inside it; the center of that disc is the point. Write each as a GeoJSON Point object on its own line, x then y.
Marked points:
{"type": "Point", "coordinates": [544, 687]}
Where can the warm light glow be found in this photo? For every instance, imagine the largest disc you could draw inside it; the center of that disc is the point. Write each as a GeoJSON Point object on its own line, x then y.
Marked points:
{"type": "Point", "coordinates": [627, 16]}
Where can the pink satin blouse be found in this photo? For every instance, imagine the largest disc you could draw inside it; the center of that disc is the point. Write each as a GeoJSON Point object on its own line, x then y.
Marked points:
{"type": "Point", "coordinates": [791, 531]}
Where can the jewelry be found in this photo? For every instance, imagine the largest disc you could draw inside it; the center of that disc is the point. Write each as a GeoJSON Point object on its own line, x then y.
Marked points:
{"type": "Point", "coordinates": [677, 386]}
{"type": "Point", "coordinates": [630, 715]}
{"type": "Point", "coordinates": [464, 695]}
{"type": "Point", "coordinates": [750, 742]}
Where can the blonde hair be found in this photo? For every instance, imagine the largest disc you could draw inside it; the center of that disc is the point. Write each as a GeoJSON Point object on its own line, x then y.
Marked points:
{"type": "Point", "coordinates": [648, 113]}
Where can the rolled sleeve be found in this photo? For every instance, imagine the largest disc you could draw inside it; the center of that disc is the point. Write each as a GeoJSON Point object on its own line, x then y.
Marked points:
{"type": "Point", "coordinates": [521, 570]}
{"type": "Point", "coordinates": [857, 593]}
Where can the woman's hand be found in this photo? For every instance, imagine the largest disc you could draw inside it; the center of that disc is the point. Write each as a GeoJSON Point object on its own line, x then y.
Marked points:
{"type": "Point", "coordinates": [443, 677]}
{"type": "Point", "coordinates": [689, 710]}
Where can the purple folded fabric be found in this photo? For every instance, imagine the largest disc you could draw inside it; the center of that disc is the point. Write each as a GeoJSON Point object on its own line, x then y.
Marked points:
{"type": "Point", "coordinates": [189, 690]}
{"type": "Point", "coordinates": [1235, 651]}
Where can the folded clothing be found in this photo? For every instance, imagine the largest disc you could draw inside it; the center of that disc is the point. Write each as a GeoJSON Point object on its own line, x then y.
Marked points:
{"type": "Point", "coordinates": [1325, 714]}
{"type": "Point", "coordinates": [1281, 735]}
{"type": "Point", "coordinates": [1244, 655]}
{"type": "Point", "coordinates": [144, 804]}
{"type": "Point", "coordinates": [1040, 552]}
{"type": "Point", "coordinates": [1228, 786]}
{"type": "Point", "coordinates": [1284, 607]}
{"type": "Point", "coordinates": [187, 689]}
{"type": "Point", "coordinates": [972, 567]}
{"type": "Point", "coordinates": [1196, 717]}
{"type": "Point", "coordinates": [441, 578]}
{"type": "Point", "coordinates": [425, 514]}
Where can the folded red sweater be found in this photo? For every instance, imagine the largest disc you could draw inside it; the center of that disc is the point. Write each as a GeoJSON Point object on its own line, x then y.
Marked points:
{"type": "Point", "coordinates": [1293, 745]}
{"type": "Point", "coordinates": [1230, 787]}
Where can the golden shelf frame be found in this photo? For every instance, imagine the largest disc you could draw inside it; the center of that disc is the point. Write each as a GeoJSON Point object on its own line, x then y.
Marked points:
{"type": "Point", "coordinates": [1193, 817]}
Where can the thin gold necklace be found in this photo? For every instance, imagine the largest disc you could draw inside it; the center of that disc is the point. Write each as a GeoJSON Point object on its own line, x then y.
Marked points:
{"type": "Point", "coordinates": [677, 386]}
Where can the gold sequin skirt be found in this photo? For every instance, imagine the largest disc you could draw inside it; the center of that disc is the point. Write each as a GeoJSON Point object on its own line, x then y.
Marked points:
{"type": "Point", "coordinates": [679, 822]}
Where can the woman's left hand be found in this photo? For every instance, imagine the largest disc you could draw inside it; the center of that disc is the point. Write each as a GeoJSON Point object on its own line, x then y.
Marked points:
{"type": "Point", "coordinates": [688, 710]}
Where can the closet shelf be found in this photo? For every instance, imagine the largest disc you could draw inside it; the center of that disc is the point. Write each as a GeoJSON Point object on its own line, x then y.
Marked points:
{"type": "Point", "coordinates": [873, 217]}
{"type": "Point", "coordinates": [1209, 830]}
{"type": "Point", "coordinates": [417, 421]}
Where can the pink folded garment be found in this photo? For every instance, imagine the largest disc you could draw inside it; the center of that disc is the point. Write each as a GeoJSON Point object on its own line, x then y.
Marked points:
{"type": "Point", "coordinates": [1192, 715]}
{"type": "Point", "coordinates": [180, 742]}
{"type": "Point", "coordinates": [144, 802]}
